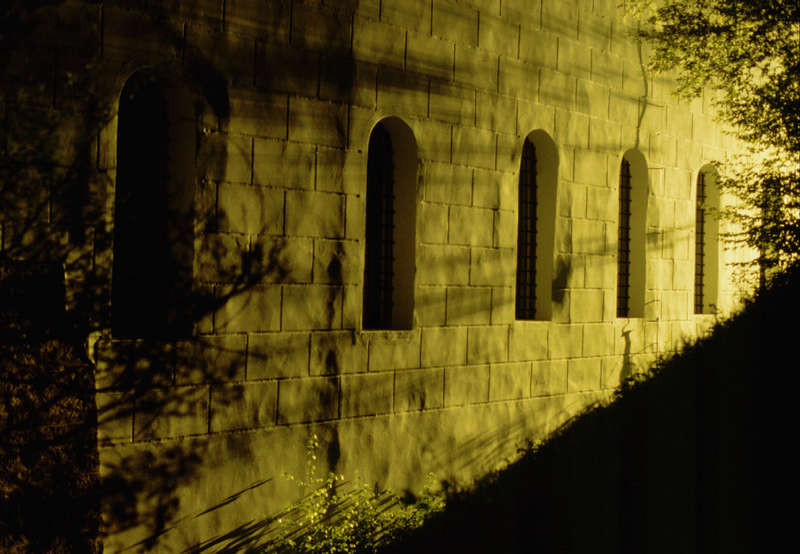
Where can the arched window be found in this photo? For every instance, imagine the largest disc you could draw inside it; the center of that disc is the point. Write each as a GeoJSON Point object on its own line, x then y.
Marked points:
{"type": "Point", "coordinates": [536, 227]}
{"type": "Point", "coordinates": [388, 301]}
{"type": "Point", "coordinates": [153, 225]}
{"type": "Point", "coordinates": [631, 229]}
{"type": "Point", "coordinates": [706, 244]}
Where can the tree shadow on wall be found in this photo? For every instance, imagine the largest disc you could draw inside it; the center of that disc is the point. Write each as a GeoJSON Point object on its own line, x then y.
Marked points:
{"type": "Point", "coordinates": [66, 384]}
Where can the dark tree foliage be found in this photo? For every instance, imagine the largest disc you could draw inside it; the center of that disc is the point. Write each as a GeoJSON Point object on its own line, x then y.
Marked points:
{"type": "Point", "coordinates": [746, 55]}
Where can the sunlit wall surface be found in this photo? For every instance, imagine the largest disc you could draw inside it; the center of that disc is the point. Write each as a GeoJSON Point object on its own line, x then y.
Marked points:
{"type": "Point", "coordinates": [247, 214]}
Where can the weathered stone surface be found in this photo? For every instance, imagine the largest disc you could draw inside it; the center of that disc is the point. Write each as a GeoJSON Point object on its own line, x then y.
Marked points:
{"type": "Point", "coordinates": [418, 389]}
{"type": "Point", "coordinates": [243, 405]}
{"type": "Point", "coordinates": [444, 346]}
{"type": "Point", "coordinates": [466, 385]}
{"type": "Point", "coordinates": [305, 400]}
{"type": "Point", "coordinates": [369, 394]}
{"type": "Point", "coordinates": [276, 355]}
{"type": "Point", "coordinates": [510, 381]}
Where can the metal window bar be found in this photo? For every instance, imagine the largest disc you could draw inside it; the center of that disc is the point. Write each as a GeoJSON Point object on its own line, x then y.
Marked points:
{"type": "Point", "coordinates": [624, 246]}
{"type": "Point", "coordinates": [526, 235]}
{"type": "Point", "coordinates": [379, 255]}
{"type": "Point", "coordinates": [699, 244]}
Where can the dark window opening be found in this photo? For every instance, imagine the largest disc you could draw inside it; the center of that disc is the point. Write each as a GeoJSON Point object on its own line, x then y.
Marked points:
{"type": "Point", "coordinates": [624, 245]}
{"type": "Point", "coordinates": [153, 233]}
{"type": "Point", "coordinates": [526, 235]}
{"type": "Point", "coordinates": [700, 239]}
{"type": "Point", "coordinates": [379, 252]}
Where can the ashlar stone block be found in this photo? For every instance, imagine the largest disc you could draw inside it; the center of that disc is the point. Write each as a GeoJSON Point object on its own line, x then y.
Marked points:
{"type": "Point", "coordinates": [469, 305]}
{"type": "Point", "coordinates": [474, 147]}
{"type": "Point", "coordinates": [311, 307]}
{"type": "Point", "coordinates": [528, 340]}
{"type": "Point", "coordinates": [333, 353]}
{"type": "Point", "coordinates": [601, 203]}
{"type": "Point", "coordinates": [586, 305]}
{"type": "Point", "coordinates": [401, 92]}
{"type": "Point", "coordinates": [114, 417]}
{"type": "Point", "coordinates": [318, 122]}
{"type": "Point", "coordinates": [590, 167]}
{"type": "Point", "coordinates": [452, 103]}
{"type": "Point", "coordinates": [414, 14]}
{"type": "Point", "coordinates": [538, 47]}
{"type": "Point", "coordinates": [171, 412]}
{"type": "Point", "coordinates": [367, 394]}
{"type": "Point", "coordinates": [341, 170]}
{"type": "Point", "coordinates": [557, 89]}
{"type": "Point", "coordinates": [433, 223]}
{"type": "Point", "coordinates": [277, 355]}
{"type": "Point", "coordinates": [257, 308]}
{"type": "Point", "coordinates": [509, 381]}
{"type": "Point", "coordinates": [588, 237]}
{"type": "Point", "coordinates": [487, 344]}
{"type": "Point", "coordinates": [430, 55]}
{"type": "Point", "coordinates": [307, 400]}
{"type": "Point", "coordinates": [243, 405]}
{"type": "Point", "coordinates": [315, 214]}
{"type": "Point", "coordinates": [549, 377]}
{"type": "Point", "coordinates": [598, 340]}
{"type": "Point", "coordinates": [337, 262]}
{"type": "Point", "coordinates": [518, 79]}
{"type": "Point", "coordinates": [210, 358]}
{"type": "Point", "coordinates": [394, 350]}
{"type": "Point", "coordinates": [466, 385]}
{"type": "Point", "coordinates": [430, 305]}
{"type": "Point", "coordinates": [574, 58]}
{"type": "Point", "coordinates": [455, 21]}
{"type": "Point", "coordinates": [470, 226]}
{"type": "Point", "coordinates": [283, 164]}
{"type": "Point", "coordinates": [448, 184]}
{"type": "Point", "coordinates": [503, 305]}
{"type": "Point", "coordinates": [219, 257]}
{"type": "Point", "coordinates": [476, 67]}
{"type": "Point", "coordinates": [444, 346]}
{"type": "Point", "coordinates": [296, 72]}
{"type": "Point", "coordinates": [442, 265]}
{"type": "Point", "coordinates": [592, 99]}
{"type": "Point", "coordinates": [281, 259]}
{"type": "Point", "coordinates": [492, 266]}
{"type": "Point", "coordinates": [257, 114]}
{"type": "Point", "coordinates": [419, 390]}
{"type": "Point", "coordinates": [505, 229]}
{"type": "Point", "coordinates": [379, 43]}
{"type": "Point", "coordinates": [249, 210]}
{"type": "Point", "coordinates": [566, 341]}
{"type": "Point", "coordinates": [497, 34]}
{"type": "Point", "coordinates": [225, 158]}
{"type": "Point", "coordinates": [583, 374]}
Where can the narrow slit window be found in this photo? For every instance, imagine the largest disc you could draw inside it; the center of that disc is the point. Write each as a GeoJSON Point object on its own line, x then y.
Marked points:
{"type": "Point", "coordinates": [526, 235]}
{"type": "Point", "coordinates": [624, 241]}
{"type": "Point", "coordinates": [379, 253]}
{"type": "Point", "coordinates": [706, 242]}
{"type": "Point", "coordinates": [700, 239]}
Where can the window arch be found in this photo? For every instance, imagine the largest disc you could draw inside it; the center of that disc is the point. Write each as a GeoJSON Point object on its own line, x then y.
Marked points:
{"type": "Point", "coordinates": [153, 224]}
{"type": "Point", "coordinates": [706, 252]}
{"type": "Point", "coordinates": [536, 214]}
{"type": "Point", "coordinates": [388, 295]}
{"type": "Point", "coordinates": [631, 235]}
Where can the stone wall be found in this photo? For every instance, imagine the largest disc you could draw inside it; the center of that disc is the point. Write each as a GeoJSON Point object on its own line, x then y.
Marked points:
{"type": "Point", "coordinates": [196, 431]}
